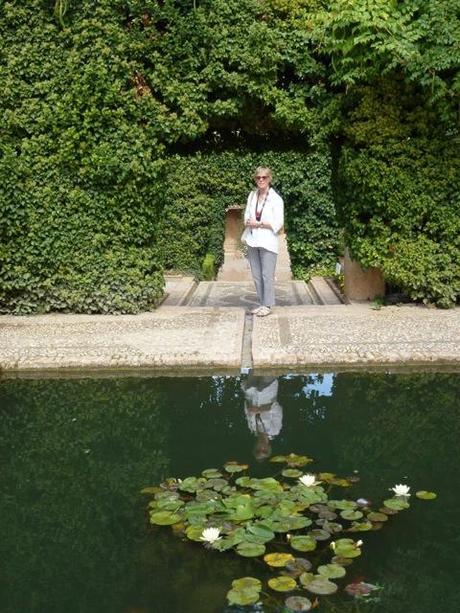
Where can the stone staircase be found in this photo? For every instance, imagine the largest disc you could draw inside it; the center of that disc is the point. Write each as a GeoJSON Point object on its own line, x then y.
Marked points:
{"type": "Point", "coordinates": [234, 286]}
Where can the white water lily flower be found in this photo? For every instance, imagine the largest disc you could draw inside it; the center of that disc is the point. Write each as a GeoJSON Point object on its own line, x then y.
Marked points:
{"type": "Point", "coordinates": [332, 545]}
{"type": "Point", "coordinates": [359, 543]}
{"type": "Point", "coordinates": [210, 535]}
{"type": "Point", "coordinates": [308, 480]}
{"type": "Point", "coordinates": [401, 490]}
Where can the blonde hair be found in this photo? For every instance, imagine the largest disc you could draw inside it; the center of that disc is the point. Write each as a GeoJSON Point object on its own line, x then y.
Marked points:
{"type": "Point", "coordinates": [264, 169]}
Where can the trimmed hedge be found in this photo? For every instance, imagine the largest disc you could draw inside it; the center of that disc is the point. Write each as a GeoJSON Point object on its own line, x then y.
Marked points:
{"type": "Point", "coordinates": [201, 186]}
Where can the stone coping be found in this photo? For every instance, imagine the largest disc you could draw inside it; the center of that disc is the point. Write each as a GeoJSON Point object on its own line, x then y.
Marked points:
{"type": "Point", "coordinates": [209, 340]}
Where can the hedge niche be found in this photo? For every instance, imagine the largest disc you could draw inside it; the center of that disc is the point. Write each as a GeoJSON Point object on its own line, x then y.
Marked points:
{"type": "Point", "coordinates": [201, 186]}
{"type": "Point", "coordinates": [78, 165]}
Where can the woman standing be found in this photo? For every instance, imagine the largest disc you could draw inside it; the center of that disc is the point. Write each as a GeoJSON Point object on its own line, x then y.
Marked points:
{"type": "Point", "coordinates": [263, 218]}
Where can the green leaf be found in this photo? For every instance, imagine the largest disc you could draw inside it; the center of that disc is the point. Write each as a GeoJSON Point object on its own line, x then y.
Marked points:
{"type": "Point", "coordinates": [250, 550]}
{"type": "Point", "coordinates": [165, 518]}
{"type": "Point", "coordinates": [321, 586]}
{"type": "Point", "coordinates": [303, 543]}
{"type": "Point", "coordinates": [424, 495]}
{"type": "Point", "coordinates": [282, 584]}
{"type": "Point", "coordinates": [331, 571]}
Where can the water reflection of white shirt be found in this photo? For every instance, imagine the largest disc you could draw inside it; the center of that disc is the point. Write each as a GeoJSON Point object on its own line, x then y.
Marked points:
{"type": "Point", "coordinates": [269, 421]}
{"type": "Point", "coordinates": [270, 418]}
{"type": "Point", "coordinates": [266, 395]}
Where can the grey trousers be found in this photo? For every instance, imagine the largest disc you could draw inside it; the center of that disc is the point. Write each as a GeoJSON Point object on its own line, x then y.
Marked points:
{"type": "Point", "coordinates": [263, 264]}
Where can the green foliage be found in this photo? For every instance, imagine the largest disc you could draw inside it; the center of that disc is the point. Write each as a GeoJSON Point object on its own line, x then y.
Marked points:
{"type": "Point", "coordinates": [399, 195]}
{"type": "Point", "coordinates": [208, 268]}
{"type": "Point", "coordinates": [417, 38]}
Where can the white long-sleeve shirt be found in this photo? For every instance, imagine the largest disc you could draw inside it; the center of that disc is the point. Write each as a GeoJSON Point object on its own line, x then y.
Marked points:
{"type": "Point", "coordinates": [273, 213]}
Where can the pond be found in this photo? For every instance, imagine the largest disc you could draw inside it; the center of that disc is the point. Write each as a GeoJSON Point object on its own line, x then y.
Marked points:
{"type": "Point", "coordinates": [76, 452]}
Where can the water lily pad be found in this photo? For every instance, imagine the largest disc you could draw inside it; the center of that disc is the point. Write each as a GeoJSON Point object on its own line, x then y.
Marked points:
{"type": "Point", "coordinates": [191, 484]}
{"type": "Point", "coordinates": [374, 516]}
{"type": "Point", "coordinates": [211, 473]}
{"type": "Point", "coordinates": [297, 604]}
{"type": "Point", "coordinates": [269, 484]}
{"type": "Point", "coordinates": [262, 533]}
{"type": "Point", "coordinates": [424, 495]}
{"type": "Point", "coordinates": [306, 578]}
{"type": "Point", "coordinates": [340, 481]}
{"type": "Point", "coordinates": [331, 571]}
{"type": "Point", "coordinates": [278, 560]}
{"type": "Point", "coordinates": [247, 583]}
{"type": "Point", "coordinates": [387, 511]}
{"type": "Point", "coordinates": [297, 566]}
{"type": "Point", "coordinates": [347, 548]}
{"type": "Point", "coordinates": [166, 504]}
{"type": "Point", "coordinates": [250, 550]}
{"type": "Point", "coordinates": [330, 526]}
{"type": "Point", "coordinates": [319, 534]}
{"type": "Point", "coordinates": [326, 477]}
{"type": "Point", "coordinates": [326, 513]}
{"type": "Point", "coordinates": [360, 588]}
{"type": "Point", "coordinates": [396, 504]}
{"type": "Point", "coordinates": [350, 514]}
{"type": "Point", "coordinates": [194, 533]}
{"type": "Point", "coordinates": [168, 495]}
{"type": "Point", "coordinates": [298, 460]}
{"type": "Point", "coordinates": [319, 508]}
{"type": "Point", "coordinates": [303, 543]}
{"type": "Point", "coordinates": [361, 526]}
{"type": "Point", "coordinates": [235, 467]}
{"type": "Point", "coordinates": [296, 522]}
{"type": "Point", "coordinates": [292, 473]}
{"type": "Point", "coordinates": [321, 586]}
{"type": "Point", "coordinates": [243, 481]}
{"type": "Point", "coordinates": [165, 518]}
{"type": "Point", "coordinates": [282, 584]}
{"type": "Point", "coordinates": [216, 484]}
{"type": "Point", "coordinates": [243, 597]}
{"type": "Point", "coordinates": [343, 505]}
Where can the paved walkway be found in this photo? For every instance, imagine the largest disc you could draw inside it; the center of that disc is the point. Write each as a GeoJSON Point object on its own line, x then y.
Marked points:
{"type": "Point", "coordinates": [182, 336]}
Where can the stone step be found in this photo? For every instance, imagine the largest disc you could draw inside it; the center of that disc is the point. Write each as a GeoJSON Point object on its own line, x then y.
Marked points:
{"type": "Point", "coordinates": [242, 294]}
{"type": "Point", "coordinates": [324, 291]}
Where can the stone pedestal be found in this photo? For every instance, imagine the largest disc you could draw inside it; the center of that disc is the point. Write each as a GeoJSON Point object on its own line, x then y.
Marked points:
{"type": "Point", "coordinates": [359, 283]}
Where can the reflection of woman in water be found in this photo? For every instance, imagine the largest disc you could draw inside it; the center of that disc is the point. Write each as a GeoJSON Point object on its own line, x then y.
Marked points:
{"type": "Point", "coordinates": [263, 412]}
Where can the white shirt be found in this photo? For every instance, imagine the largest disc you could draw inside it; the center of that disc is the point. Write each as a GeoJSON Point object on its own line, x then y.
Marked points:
{"type": "Point", "coordinates": [273, 213]}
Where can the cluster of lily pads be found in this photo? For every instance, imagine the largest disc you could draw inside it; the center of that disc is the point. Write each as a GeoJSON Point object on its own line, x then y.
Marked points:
{"type": "Point", "coordinates": [279, 519]}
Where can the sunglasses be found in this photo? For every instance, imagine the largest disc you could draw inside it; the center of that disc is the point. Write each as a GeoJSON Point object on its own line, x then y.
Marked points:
{"type": "Point", "coordinates": [261, 177]}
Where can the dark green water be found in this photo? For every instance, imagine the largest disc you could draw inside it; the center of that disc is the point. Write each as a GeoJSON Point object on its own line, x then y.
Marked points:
{"type": "Point", "coordinates": [76, 452]}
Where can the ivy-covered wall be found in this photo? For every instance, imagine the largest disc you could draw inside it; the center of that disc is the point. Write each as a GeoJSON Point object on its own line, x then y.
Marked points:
{"type": "Point", "coordinates": [201, 186]}
{"type": "Point", "coordinates": [78, 165]}
{"type": "Point", "coordinates": [399, 193]}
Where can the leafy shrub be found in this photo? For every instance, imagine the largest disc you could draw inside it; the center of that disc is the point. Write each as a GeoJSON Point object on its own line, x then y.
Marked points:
{"type": "Point", "coordinates": [208, 267]}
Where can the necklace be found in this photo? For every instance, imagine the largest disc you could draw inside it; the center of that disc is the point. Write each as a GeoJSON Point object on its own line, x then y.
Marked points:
{"type": "Point", "coordinates": [259, 213]}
